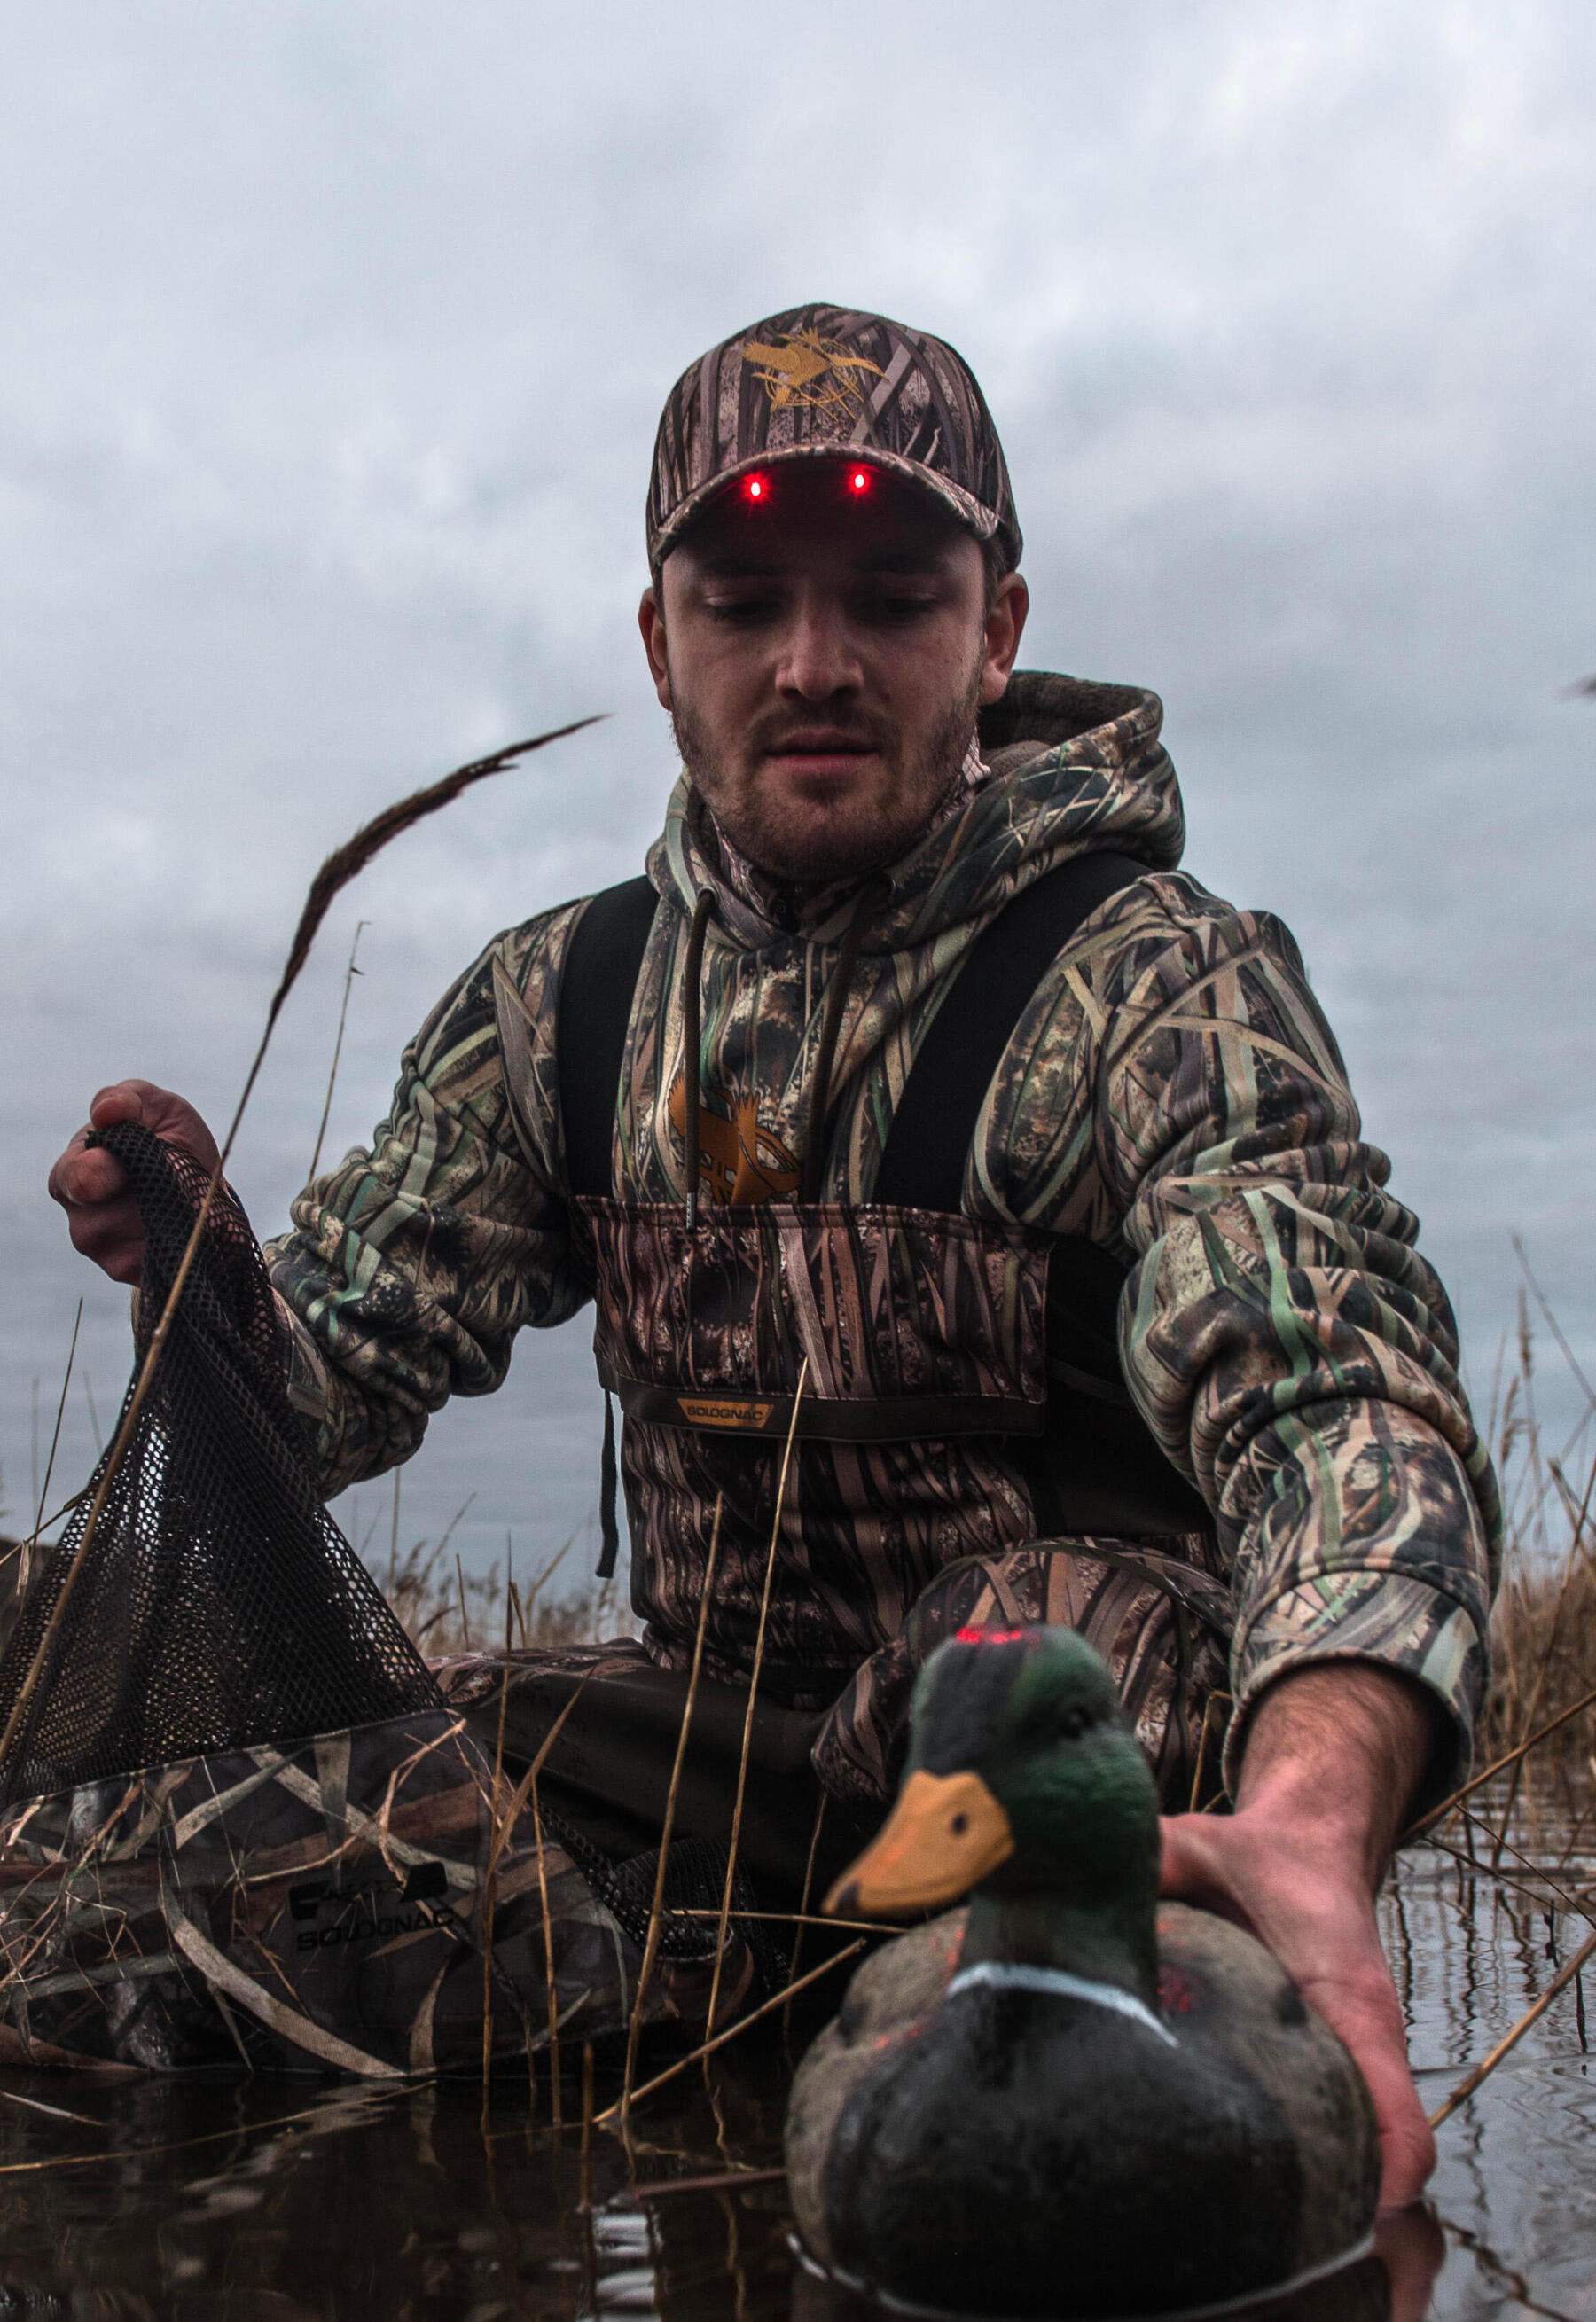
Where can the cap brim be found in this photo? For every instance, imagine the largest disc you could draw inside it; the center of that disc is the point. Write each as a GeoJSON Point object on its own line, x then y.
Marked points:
{"type": "Point", "coordinates": [966, 511]}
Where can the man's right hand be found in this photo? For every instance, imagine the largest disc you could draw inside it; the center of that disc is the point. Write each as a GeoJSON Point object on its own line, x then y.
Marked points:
{"type": "Point", "coordinates": [91, 1188]}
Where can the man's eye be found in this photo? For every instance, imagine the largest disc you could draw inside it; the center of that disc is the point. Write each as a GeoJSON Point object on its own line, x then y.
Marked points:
{"type": "Point", "coordinates": [737, 611]}
{"type": "Point", "coordinates": [901, 605]}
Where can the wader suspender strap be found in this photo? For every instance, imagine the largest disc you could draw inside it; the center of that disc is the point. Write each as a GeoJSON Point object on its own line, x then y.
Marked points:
{"type": "Point", "coordinates": [1097, 1470]}
{"type": "Point", "coordinates": [603, 963]}
{"type": "Point", "coordinates": [928, 1145]}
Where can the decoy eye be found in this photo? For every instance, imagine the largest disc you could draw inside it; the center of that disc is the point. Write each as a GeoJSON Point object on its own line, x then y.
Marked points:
{"type": "Point", "coordinates": [1072, 1724]}
{"type": "Point", "coordinates": [959, 1824]}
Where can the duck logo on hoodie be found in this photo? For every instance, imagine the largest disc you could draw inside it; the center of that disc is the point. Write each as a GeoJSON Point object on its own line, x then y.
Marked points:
{"type": "Point", "coordinates": [739, 1160]}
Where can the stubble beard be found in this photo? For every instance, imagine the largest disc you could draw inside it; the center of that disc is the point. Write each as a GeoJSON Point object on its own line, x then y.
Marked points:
{"type": "Point", "coordinates": [816, 847]}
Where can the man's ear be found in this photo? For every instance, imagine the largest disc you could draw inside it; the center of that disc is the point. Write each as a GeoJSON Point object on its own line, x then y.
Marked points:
{"type": "Point", "coordinates": [1005, 624]}
{"type": "Point", "coordinates": [651, 622]}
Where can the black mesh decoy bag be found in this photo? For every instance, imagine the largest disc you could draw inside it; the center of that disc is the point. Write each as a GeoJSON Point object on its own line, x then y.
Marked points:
{"type": "Point", "coordinates": [219, 1605]}
{"type": "Point", "coordinates": [241, 1824]}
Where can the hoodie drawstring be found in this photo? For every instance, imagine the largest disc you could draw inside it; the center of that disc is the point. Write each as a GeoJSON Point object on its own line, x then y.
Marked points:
{"type": "Point", "coordinates": [691, 974]}
{"type": "Point", "coordinates": [837, 990]}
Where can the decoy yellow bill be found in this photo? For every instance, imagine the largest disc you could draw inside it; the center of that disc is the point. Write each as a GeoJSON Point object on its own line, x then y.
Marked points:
{"type": "Point", "coordinates": [945, 1833]}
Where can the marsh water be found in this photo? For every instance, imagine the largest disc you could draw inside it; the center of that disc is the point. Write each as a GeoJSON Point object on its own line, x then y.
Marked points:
{"type": "Point", "coordinates": [284, 2200]}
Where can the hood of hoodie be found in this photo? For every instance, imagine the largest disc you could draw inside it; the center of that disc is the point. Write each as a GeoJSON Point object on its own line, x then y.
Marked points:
{"type": "Point", "coordinates": [1065, 764]}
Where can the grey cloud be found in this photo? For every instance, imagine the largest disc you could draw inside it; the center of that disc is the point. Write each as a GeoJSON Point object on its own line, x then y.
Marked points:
{"type": "Point", "coordinates": [335, 342]}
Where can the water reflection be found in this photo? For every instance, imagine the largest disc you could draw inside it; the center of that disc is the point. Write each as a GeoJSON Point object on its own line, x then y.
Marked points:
{"type": "Point", "coordinates": [257, 2202]}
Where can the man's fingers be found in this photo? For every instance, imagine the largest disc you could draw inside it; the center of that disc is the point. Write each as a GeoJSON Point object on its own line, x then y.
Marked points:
{"type": "Point", "coordinates": [1406, 2144]}
{"type": "Point", "coordinates": [92, 1188]}
{"type": "Point", "coordinates": [86, 1176]}
{"type": "Point", "coordinates": [122, 1100]}
{"type": "Point", "coordinates": [164, 1113]}
{"type": "Point", "coordinates": [107, 1231]}
{"type": "Point", "coordinates": [1324, 1933]}
{"type": "Point", "coordinates": [1362, 2009]}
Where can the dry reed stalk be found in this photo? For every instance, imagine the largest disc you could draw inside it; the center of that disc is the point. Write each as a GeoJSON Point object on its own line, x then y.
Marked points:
{"type": "Point", "coordinates": [1537, 1870]}
{"type": "Point", "coordinates": [495, 1845]}
{"type": "Point", "coordinates": [349, 972]}
{"type": "Point", "coordinates": [1532, 1880]}
{"type": "Point", "coordinates": [799, 1919]}
{"type": "Point", "coordinates": [455, 1521]}
{"type": "Point", "coordinates": [340, 866]}
{"type": "Point", "coordinates": [1471, 2080]}
{"type": "Point", "coordinates": [1574, 1547]}
{"type": "Point", "coordinates": [548, 1966]}
{"type": "Point", "coordinates": [527, 1787]}
{"type": "Point", "coordinates": [802, 1916]}
{"type": "Point", "coordinates": [25, 1547]}
{"type": "Point", "coordinates": [587, 2126]}
{"type": "Point", "coordinates": [742, 1771]}
{"type": "Point", "coordinates": [1567, 1352]}
{"type": "Point", "coordinates": [724, 2180]}
{"type": "Point", "coordinates": [464, 1607]}
{"type": "Point", "coordinates": [363, 2096]}
{"type": "Point", "coordinates": [733, 2031]}
{"type": "Point", "coordinates": [346, 862]}
{"type": "Point", "coordinates": [1202, 1747]}
{"type": "Point", "coordinates": [529, 1602]}
{"type": "Point", "coordinates": [503, 1831]}
{"type": "Point", "coordinates": [656, 1907]}
{"type": "Point", "coordinates": [56, 2112]}
{"type": "Point", "coordinates": [65, 1509]}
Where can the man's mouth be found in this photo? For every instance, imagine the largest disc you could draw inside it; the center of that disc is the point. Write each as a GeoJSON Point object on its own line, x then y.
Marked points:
{"type": "Point", "coordinates": [820, 753]}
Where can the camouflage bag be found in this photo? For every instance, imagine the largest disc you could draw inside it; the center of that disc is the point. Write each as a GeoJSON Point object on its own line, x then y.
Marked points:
{"type": "Point", "coordinates": [326, 1905]}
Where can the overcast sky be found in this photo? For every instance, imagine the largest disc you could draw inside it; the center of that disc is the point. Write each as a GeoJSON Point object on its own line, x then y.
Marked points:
{"type": "Point", "coordinates": [334, 338]}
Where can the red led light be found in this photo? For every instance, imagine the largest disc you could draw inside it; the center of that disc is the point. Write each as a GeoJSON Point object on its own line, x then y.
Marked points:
{"type": "Point", "coordinates": [859, 481]}
{"type": "Point", "coordinates": [756, 487]}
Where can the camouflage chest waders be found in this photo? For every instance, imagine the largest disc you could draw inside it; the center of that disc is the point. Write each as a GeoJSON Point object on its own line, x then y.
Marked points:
{"type": "Point", "coordinates": [965, 1449]}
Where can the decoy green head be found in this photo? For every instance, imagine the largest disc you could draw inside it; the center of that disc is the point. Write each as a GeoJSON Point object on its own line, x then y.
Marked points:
{"type": "Point", "coordinates": [1024, 1781]}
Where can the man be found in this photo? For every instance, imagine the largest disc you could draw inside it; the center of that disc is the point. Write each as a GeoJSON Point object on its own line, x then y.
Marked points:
{"type": "Point", "coordinates": [1120, 1326]}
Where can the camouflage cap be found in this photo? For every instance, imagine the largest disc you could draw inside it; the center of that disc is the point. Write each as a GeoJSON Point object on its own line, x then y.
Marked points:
{"type": "Point", "coordinates": [824, 380]}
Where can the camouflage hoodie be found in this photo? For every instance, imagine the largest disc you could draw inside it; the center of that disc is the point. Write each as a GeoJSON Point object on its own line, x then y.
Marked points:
{"type": "Point", "coordinates": [1172, 1093]}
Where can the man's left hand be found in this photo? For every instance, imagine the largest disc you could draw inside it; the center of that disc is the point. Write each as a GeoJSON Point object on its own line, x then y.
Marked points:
{"type": "Point", "coordinates": [1334, 1755]}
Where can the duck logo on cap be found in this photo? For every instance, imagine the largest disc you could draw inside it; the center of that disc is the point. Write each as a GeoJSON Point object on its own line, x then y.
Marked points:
{"type": "Point", "coordinates": [806, 368]}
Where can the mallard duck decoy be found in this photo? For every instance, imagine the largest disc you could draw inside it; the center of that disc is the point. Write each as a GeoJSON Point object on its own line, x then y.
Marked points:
{"type": "Point", "coordinates": [1067, 2101]}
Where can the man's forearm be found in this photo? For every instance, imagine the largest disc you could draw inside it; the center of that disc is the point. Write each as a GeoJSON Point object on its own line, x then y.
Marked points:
{"type": "Point", "coordinates": [1343, 1747]}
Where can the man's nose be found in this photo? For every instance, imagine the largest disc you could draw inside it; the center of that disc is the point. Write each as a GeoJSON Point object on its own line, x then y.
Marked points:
{"type": "Point", "coordinates": [819, 656]}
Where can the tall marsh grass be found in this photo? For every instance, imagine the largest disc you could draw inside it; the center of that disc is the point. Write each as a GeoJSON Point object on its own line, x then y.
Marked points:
{"type": "Point", "coordinates": [1544, 1626]}
{"type": "Point", "coordinates": [444, 1609]}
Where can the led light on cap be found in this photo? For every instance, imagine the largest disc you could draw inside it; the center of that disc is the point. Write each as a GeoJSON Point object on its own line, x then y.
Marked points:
{"type": "Point", "coordinates": [859, 480]}
{"type": "Point", "coordinates": [756, 487]}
